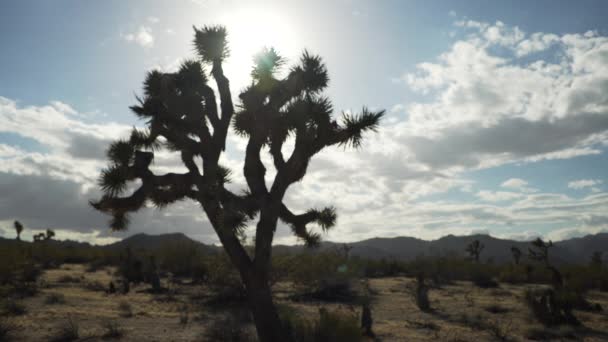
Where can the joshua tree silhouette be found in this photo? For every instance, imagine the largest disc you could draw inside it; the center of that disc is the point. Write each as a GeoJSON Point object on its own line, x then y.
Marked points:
{"type": "Point", "coordinates": [474, 249]}
{"type": "Point", "coordinates": [182, 115]}
{"type": "Point", "coordinates": [516, 252]}
{"type": "Point", "coordinates": [18, 228]}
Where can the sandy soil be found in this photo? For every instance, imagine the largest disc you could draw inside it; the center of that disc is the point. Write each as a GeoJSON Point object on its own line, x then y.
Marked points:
{"type": "Point", "coordinates": [460, 312]}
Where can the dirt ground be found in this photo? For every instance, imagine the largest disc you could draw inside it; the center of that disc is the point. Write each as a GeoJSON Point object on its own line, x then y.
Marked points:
{"type": "Point", "coordinates": [460, 312]}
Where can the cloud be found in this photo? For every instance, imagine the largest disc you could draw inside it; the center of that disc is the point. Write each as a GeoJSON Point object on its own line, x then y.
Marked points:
{"type": "Point", "coordinates": [503, 96]}
{"type": "Point", "coordinates": [514, 183]}
{"type": "Point", "coordinates": [143, 37]}
{"type": "Point", "coordinates": [496, 97]}
{"type": "Point", "coordinates": [498, 196]}
{"type": "Point", "coordinates": [584, 183]}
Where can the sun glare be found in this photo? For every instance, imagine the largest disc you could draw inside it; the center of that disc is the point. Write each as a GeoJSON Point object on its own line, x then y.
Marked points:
{"type": "Point", "coordinates": [251, 30]}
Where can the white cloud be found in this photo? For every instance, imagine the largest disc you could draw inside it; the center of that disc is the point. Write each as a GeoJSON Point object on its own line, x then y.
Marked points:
{"type": "Point", "coordinates": [584, 183]}
{"type": "Point", "coordinates": [143, 37]}
{"type": "Point", "coordinates": [490, 106]}
{"type": "Point", "coordinates": [498, 196]}
{"type": "Point", "coordinates": [514, 183]}
{"type": "Point", "coordinates": [485, 109]}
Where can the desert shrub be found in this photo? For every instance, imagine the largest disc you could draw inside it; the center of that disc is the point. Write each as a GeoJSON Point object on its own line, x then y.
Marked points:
{"type": "Point", "coordinates": [331, 326]}
{"type": "Point", "coordinates": [551, 307]}
{"type": "Point", "coordinates": [381, 268]}
{"type": "Point", "coordinates": [550, 334]}
{"type": "Point", "coordinates": [496, 309]}
{"type": "Point", "coordinates": [6, 330]}
{"type": "Point", "coordinates": [225, 282]}
{"type": "Point", "coordinates": [96, 265]}
{"type": "Point", "coordinates": [182, 260]}
{"type": "Point", "coordinates": [96, 286]}
{"type": "Point", "coordinates": [125, 310]}
{"type": "Point", "coordinates": [474, 321]}
{"type": "Point", "coordinates": [584, 278]}
{"type": "Point", "coordinates": [184, 315]}
{"type": "Point", "coordinates": [130, 267]}
{"type": "Point", "coordinates": [66, 279]}
{"type": "Point", "coordinates": [69, 330]}
{"type": "Point", "coordinates": [112, 330]}
{"type": "Point", "coordinates": [11, 307]}
{"type": "Point", "coordinates": [54, 298]}
{"type": "Point", "coordinates": [513, 274]}
{"type": "Point", "coordinates": [499, 329]}
{"type": "Point", "coordinates": [229, 328]}
{"type": "Point", "coordinates": [483, 279]}
{"type": "Point", "coordinates": [324, 277]}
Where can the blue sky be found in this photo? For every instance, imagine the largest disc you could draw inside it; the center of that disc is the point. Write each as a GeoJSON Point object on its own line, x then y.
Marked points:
{"type": "Point", "coordinates": [497, 111]}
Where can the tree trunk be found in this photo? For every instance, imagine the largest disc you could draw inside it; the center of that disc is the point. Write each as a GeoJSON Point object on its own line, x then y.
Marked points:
{"type": "Point", "coordinates": [265, 315]}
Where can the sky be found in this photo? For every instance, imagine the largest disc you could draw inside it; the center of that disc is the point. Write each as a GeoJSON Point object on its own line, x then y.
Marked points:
{"type": "Point", "coordinates": [497, 112]}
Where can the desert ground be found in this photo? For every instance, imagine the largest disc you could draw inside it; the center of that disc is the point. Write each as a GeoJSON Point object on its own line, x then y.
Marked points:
{"type": "Point", "coordinates": [71, 298]}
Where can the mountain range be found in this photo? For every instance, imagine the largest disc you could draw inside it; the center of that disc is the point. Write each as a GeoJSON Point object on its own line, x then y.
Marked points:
{"type": "Point", "coordinates": [575, 250]}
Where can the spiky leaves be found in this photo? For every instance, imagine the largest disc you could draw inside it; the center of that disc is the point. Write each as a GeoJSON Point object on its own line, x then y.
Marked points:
{"type": "Point", "coordinates": [211, 43]}
{"type": "Point", "coordinates": [356, 124]}
{"type": "Point", "coordinates": [325, 218]}
{"type": "Point", "coordinates": [266, 63]}
{"type": "Point", "coordinates": [540, 250]}
{"type": "Point", "coordinates": [311, 74]}
{"type": "Point", "coordinates": [121, 153]}
{"type": "Point", "coordinates": [113, 180]}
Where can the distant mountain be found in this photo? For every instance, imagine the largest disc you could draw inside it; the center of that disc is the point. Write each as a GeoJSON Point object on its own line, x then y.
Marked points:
{"type": "Point", "coordinates": [150, 242]}
{"type": "Point", "coordinates": [575, 250]}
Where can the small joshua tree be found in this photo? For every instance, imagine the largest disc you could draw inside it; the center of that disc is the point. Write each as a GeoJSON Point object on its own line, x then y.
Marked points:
{"type": "Point", "coordinates": [474, 249]}
{"type": "Point", "coordinates": [516, 253]}
{"type": "Point", "coordinates": [18, 228]}
{"type": "Point", "coordinates": [49, 234]}
{"type": "Point", "coordinates": [540, 252]}
{"type": "Point", "coordinates": [596, 259]}
{"type": "Point", "coordinates": [39, 237]}
{"type": "Point", "coordinates": [182, 115]}
{"type": "Point", "coordinates": [551, 306]}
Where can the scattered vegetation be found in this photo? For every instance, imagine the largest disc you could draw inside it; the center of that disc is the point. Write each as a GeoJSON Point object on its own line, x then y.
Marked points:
{"type": "Point", "coordinates": [125, 310]}
{"type": "Point", "coordinates": [69, 330]}
{"type": "Point", "coordinates": [330, 326]}
{"type": "Point", "coordinates": [54, 298]}
{"type": "Point", "coordinates": [6, 330]}
{"type": "Point", "coordinates": [112, 330]}
{"type": "Point", "coordinates": [11, 307]}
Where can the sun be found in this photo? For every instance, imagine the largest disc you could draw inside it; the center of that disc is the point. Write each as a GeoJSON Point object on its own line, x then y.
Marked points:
{"type": "Point", "coordinates": [250, 30]}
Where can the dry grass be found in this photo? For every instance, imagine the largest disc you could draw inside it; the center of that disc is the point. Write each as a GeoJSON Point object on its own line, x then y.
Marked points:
{"type": "Point", "coordinates": [460, 312]}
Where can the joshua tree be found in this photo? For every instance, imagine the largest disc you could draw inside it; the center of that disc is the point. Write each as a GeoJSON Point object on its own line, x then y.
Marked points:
{"type": "Point", "coordinates": [49, 234]}
{"type": "Point", "coordinates": [596, 259]}
{"type": "Point", "coordinates": [540, 252]}
{"type": "Point", "coordinates": [346, 250]}
{"type": "Point", "coordinates": [39, 237]}
{"type": "Point", "coordinates": [18, 228]}
{"type": "Point", "coordinates": [182, 115]}
{"type": "Point", "coordinates": [516, 252]}
{"type": "Point", "coordinates": [474, 249]}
